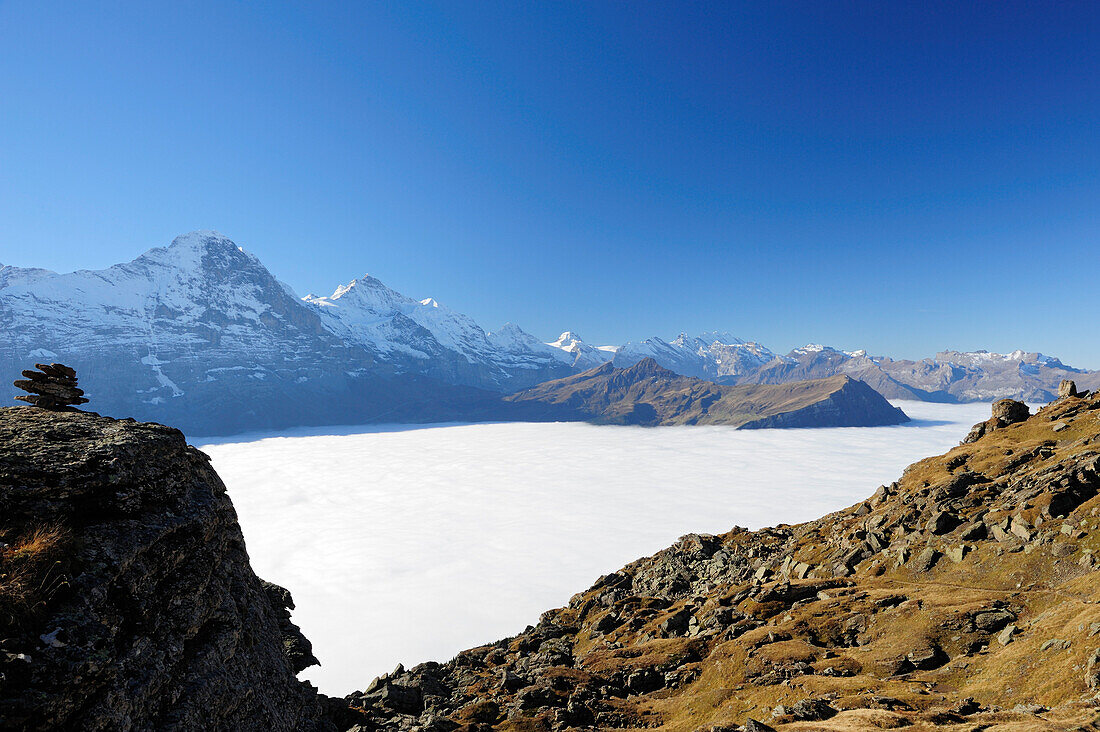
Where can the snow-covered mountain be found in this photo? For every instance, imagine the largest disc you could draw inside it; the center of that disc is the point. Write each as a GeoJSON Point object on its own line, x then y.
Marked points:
{"type": "Point", "coordinates": [425, 337]}
{"type": "Point", "coordinates": [714, 356]}
{"type": "Point", "coordinates": [579, 354]}
{"type": "Point", "coordinates": [196, 328]}
{"type": "Point", "coordinates": [200, 334]}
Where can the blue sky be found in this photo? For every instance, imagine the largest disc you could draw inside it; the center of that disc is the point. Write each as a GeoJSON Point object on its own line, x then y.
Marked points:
{"type": "Point", "coordinates": [901, 177]}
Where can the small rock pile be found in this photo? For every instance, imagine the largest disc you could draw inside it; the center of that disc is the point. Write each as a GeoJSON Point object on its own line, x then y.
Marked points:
{"type": "Point", "coordinates": [51, 387]}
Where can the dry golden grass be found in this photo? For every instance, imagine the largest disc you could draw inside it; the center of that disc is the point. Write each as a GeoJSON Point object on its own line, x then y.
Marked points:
{"type": "Point", "coordinates": [30, 573]}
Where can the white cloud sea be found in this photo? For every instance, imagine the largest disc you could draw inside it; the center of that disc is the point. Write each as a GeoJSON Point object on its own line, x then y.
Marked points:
{"type": "Point", "coordinates": [412, 543]}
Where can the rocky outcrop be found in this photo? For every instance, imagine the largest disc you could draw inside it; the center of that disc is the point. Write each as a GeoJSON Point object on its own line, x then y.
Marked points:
{"type": "Point", "coordinates": [649, 394]}
{"type": "Point", "coordinates": [962, 596]}
{"type": "Point", "coordinates": [126, 597]}
{"type": "Point", "coordinates": [1005, 412]}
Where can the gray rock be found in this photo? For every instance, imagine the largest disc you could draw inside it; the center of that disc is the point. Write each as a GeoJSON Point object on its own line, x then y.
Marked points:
{"type": "Point", "coordinates": [926, 559]}
{"type": "Point", "coordinates": [752, 725]}
{"type": "Point", "coordinates": [957, 553]}
{"type": "Point", "coordinates": [175, 630]}
{"type": "Point", "coordinates": [1092, 671]}
{"type": "Point", "coordinates": [1010, 411]}
{"type": "Point", "coordinates": [993, 620]}
{"type": "Point", "coordinates": [940, 523]}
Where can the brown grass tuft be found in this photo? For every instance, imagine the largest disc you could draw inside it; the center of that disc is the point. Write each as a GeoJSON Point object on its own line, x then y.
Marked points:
{"type": "Point", "coordinates": [31, 573]}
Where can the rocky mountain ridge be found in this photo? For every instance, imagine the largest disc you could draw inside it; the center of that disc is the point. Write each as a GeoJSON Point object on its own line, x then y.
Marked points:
{"type": "Point", "coordinates": [649, 394]}
{"type": "Point", "coordinates": [961, 597]}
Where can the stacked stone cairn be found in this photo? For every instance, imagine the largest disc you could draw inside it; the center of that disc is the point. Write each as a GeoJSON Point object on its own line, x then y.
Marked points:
{"type": "Point", "coordinates": [53, 386]}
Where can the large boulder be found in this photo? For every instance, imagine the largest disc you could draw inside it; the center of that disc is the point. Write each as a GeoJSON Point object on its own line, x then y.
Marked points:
{"type": "Point", "coordinates": [1005, 412]}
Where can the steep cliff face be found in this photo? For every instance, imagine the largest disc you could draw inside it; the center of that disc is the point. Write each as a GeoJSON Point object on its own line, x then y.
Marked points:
{"type": "Point", "coordinates": [126, 597]}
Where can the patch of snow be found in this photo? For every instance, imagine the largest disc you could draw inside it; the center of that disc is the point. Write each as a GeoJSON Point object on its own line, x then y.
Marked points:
{"type": "Point", "coordinates": [155, 363]}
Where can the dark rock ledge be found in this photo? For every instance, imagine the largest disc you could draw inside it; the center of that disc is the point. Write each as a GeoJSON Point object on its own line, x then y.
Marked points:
{"type": "Point", "coordinates": [126, 597]}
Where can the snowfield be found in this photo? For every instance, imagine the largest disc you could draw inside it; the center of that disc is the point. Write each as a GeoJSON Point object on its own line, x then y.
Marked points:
{"type": "Point", "coordinates": [410, 543]}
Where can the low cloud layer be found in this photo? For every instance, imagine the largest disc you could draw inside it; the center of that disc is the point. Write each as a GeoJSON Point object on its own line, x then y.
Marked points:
{"type": "Point", "coordinates": [411, 544]}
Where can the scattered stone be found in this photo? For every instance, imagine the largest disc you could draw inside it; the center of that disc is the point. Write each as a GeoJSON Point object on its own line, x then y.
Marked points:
{"type": "Point", "coordinates": [1010, 411]}
{"type": "Point", "coordinates": [1005, 636]}
{"type": "Point", "coordinates": [1030, 708]}
{"type": "Point", "coordinates": [1092, 671]}
{"type": "Point", "coordinates": [1057, 644]}
{"type": "Point", "coordinates": [1021, 528]}
{"type": "Point", "coordinates": [811, 710]}
{"type": "Point", "coordinates": [993, 620]}
{"type": "Point", "coordinates": [926, 559]}
{"type": "Point", "coordinates": [751, 725]}
{"type": "Point", "coordinates": [975, 531]}
{"type": "Point", "coordinates": [927, 658]}
{"type": "Point", "coordinates": [966, 707]}
{"type": "Point", "coordinates": [940, 523]}
{"type": "Point", "coordinates": [957, 553]}
{"type": "Point", "coordinates": [1059, 426]}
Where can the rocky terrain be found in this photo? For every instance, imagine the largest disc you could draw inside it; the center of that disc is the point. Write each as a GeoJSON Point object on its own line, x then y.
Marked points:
{"type": "Point", "coordinates": [648, 394]}
{"type": "Point", "coordinates": [126, 597]}
{"type": "Point", "coordinates": [961, 597]}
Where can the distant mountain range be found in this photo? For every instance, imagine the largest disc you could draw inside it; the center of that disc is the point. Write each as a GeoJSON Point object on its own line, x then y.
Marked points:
{"type": "Point", "coordinates": [648, 394]}
{"type": "Point", "coordinates": [949, 376]}
{"type": "Point", "coordinates": [200, 334]}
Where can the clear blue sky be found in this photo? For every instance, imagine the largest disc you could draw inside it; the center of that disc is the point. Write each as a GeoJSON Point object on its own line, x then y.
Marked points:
{"type": "Point", "coordinates": [903, 177]}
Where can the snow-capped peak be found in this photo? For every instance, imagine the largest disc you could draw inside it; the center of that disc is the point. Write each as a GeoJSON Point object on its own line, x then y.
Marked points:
{"type": "Point", "coordinates": [567, 340]}
{"type": "Point", "coordinates": [365, 293]}
{"type": "Point", "coordinates": [720, 336]}
{"type": "Point", "coordinates": [430, 302]}
{"type": "Point", "coordinates": [582, 355]}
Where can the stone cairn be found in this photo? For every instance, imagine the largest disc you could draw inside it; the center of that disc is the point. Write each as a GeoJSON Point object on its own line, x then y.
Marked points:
{"type": "Point", "coordinates": [53, 386]}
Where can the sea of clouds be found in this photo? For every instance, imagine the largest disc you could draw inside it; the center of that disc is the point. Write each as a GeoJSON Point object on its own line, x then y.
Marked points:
{"type": "Point", "coordinates": [408, 544]}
